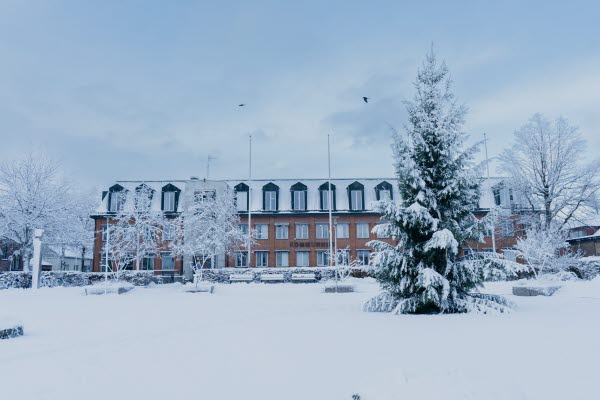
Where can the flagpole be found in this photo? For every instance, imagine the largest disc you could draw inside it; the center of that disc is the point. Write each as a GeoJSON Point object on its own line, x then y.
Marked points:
{"type": "Point", "coordinates": [487, 163]}
{"type": "Point", "coordinates": [249, 201]}
{"type": "Point", "coordinates": [330, 204]}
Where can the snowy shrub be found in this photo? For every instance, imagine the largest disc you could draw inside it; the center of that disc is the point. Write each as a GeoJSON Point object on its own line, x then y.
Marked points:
{"type": "Point", "coordinates": [545, 250]}
{"type": "Point", "coordinates": [587, 268]}
{"type": "Point", "coordinates": [439, 190]}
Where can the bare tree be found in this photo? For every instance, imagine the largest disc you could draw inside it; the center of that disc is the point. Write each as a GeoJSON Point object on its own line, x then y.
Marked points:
{"type": "Point", "coordinates": [138, 230]}
{"type": "Point", "coordinates": [210, 227]}
{"type": "Point", "coordinates": [546, 250]}
{"type": "Point", "coordinates": [32, 196]}
{"type": "Point", "coordinates": [545, 166]}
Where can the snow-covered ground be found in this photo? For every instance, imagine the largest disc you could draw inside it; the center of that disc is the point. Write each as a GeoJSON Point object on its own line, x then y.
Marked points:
{"type": "Point", "coordinates": [290, 341]}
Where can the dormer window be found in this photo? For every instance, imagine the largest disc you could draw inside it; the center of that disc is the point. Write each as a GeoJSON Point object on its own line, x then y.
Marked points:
{"type": "Point", "coordinates": [384, 191]}
{"type": "Point", "coordinates": [324, 196]}
{"type": "Point", "coordinates": [143, 197]}
{"type": "Point", "coordinates": [116, 198]}
{"type": "Point", "coordinates": [170, 198]}
{"type": "Point", "coordinates": [242, 198]}
{"type": "Point", "coordinates": [497, 196]}
{"type": "Point", "coordinates": [356, 196]}
{"type": "Point", "coordinates": [270, 197]}
{"type": "Point", "coordinates": [299, 192]}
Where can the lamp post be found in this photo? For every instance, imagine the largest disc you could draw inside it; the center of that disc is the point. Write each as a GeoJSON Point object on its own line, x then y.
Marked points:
{"type": "Point", "coordinates": [487, 162]}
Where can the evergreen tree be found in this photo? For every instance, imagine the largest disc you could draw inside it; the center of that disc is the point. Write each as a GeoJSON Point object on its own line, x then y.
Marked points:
{"type": "Point", "coordinates": [439, 190]}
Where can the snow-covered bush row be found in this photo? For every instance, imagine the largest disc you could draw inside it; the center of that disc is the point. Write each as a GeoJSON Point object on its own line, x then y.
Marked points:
{"type": "Point", "coordinates": [21, 280]}
{"type": "Point", "coordinates": [321, 273]}
{"type": "Point", "coordinates": [587, 268]}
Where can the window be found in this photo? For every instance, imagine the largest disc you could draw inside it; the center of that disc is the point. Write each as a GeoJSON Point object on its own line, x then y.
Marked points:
{"type": "Point", "coordinates": [262, 231]}
{"type": "Point", "coordinates": [382, 231]}
{"type": "Point", "coordinates": [299, 191]}
{"type": "Point", "coordinates": [363, 257]}
{"type": "Point", "coordinates": [322, 258]}
{"type": "Point", "coordinates": [241, 201]}
{"type": "Point", "coordinates": [301, 231]}
{"type": "Point", "coordinates": [168, 262]}
{"type": "Point", "coordinates": [241, 259]}
{"type": "Point", "coordinates": [324, 196]}
{"type": "Point", "coordinates": [104, 232]}
{"type": "Point", "coordinates": [343, 257]}
{"type": "Point", "coordinates": [262, 259]}
{"type": "Point", "coordinates": [148, 233]}
{"type": "Point", "coordinates": [117, 199]}
{"type": "Point", "coordinates": [507, 227]}
{"type": "Point", "coordinates": [300, 200]}
{"type": "Point", "coordinates": [383, 191]}
{"type": "Point", "coordinates": [103, 263]}
{"type": "Point", "coordinates": [243, 228]}
{"type": "Point", "coordinates": [281, 231]}
{"type": "Point", "coordinates": [148, 263]}
{"type": "Point", "coordinates": [270, 201]}
{"type": "Point", "coordinates": [169, 201]}
{"type": "Point", "coordinates": [497, 197]}
{"type": "Point", "coordinates": [356, 200]}
{"type": "Point", "coordinates": [342, 230]}
{"type": "Point", "coordinates": [510, 254]}
{"type": "Point", "coordinates": [362, 230]}
{"type": "Point", "coordinates": [270, 197]}
{"type": "Point", "coordinates": [302, 258]}
{"type": "Point", "coordinates": [242, 195]}
{"type": "Point", "coordinates": [168, 232]}
{"type": "Point", "coordinates": [282, 259]}
{"type": "Point", "coordinates": [170, 196]}
{"type": "Point", "coordinates": [322, 231]}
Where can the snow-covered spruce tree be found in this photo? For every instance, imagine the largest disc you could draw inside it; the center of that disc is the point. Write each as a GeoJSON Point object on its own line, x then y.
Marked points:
{"type": "Point", "coordinates": [439, 190]}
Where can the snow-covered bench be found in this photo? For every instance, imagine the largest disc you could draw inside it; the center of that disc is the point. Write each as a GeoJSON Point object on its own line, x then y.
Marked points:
{"type": "Point", "coordinates": [271, 277]}
{"type": "Point", "coordinates": [307, 277]}
{"type": "Point", "coordinates": [111, 289]}
{"type": "Point", "coordinates": [241, 278]}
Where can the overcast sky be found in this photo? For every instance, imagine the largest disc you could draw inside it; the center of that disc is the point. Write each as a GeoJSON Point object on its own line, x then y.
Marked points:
{"type": "Point", "coordinates": [147, 90]}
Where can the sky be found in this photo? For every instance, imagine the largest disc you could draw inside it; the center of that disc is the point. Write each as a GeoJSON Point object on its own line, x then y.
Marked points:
{"type": "Point", "coordinates": [119, 90]}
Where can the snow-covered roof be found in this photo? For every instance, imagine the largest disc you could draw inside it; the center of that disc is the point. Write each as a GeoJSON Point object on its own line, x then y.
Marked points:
{"type": "Point", "coordinates": [313, 202]}
{"type": "Point", "coordinates": [285, 193]}
{"type": "Point", "coordinates": [156, 186]}
{"type": "Point", "coordinates": [70, 252]}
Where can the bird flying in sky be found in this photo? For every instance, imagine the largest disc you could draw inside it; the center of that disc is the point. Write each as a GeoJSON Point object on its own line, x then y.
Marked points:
{"type": "Point", "coordinates": [366, 99]}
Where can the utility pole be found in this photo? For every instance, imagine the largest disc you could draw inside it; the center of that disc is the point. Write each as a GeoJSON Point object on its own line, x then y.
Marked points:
{"type": "Point", "coordinates": [487, 163]}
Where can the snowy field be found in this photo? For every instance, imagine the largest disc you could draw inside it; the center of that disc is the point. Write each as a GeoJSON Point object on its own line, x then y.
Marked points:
{"type": "Point", "coordinates": [293, 342]}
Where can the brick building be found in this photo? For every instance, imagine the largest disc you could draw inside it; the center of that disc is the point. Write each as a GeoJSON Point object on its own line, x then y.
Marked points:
{"type": "Point", "coordinates": [290, 217]}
